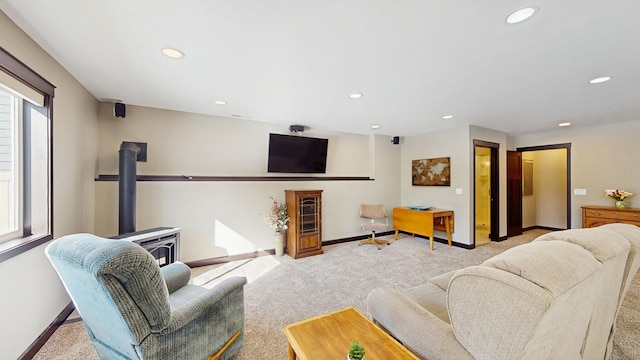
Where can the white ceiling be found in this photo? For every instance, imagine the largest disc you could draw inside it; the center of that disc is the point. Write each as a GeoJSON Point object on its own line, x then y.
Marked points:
{"type": "Point", "coordinates": [297, 61]}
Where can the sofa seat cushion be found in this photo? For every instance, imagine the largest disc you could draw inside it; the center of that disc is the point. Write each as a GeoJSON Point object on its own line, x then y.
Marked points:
{"type": "Point", "coordinates": [430, 297]}
{"type": "Point", "coordinates": [442, 281]}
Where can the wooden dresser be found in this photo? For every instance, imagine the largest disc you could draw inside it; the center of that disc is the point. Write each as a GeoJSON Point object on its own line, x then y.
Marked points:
{"type": "Point", "coordinates": [593, 216]}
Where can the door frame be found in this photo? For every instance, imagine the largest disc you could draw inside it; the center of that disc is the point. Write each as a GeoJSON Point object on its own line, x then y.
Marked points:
{"type": "Point", "coordinates": [494, 176]}
{"type": "Point", "coordinates": [566, 146]}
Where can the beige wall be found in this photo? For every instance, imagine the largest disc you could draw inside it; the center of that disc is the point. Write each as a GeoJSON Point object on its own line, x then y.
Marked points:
{"type": "Point", "coordinates": [453, 143]}
{"type": "Point", "coordinates": [32, 295]}
{"type": "Point", "coordinates": [602, 157]}
{"type": "Point", "coordinates": [547, 206]}
{"type": "Point", "coordinates": [224, 218]}
{"type": "Point", "coordinates": [550, 182]}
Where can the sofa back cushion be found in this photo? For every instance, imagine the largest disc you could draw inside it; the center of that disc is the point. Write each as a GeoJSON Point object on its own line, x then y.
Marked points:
{"type": "Point", "coordinates": [631, 233]}
{"type": "Point", "coordinates": [610, 246]}
{"type": "Point", "coordinates": [532, 301]}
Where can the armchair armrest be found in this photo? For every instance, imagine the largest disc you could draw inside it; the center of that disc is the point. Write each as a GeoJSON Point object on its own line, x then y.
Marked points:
{"type": "Point", "coordinates": [416, 328]}
{"type": "Point", "coordinates": [209, 298]}
{"type": "Point", "coordinates": [176, 275]}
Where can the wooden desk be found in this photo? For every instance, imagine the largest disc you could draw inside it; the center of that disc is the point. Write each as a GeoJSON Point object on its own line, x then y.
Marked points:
{"type": "Point", "coordinates": [423, 222]}
{"type": "Point", "coordinates": [329, 336]}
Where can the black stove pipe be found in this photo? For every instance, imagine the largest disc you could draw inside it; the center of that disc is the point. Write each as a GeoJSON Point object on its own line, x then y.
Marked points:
{"type": "Point", "coordinates": [127, 187]}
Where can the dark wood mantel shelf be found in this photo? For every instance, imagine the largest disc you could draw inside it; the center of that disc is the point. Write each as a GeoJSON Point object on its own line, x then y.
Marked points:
{"type": "Point", "coordinates": [111, 177]}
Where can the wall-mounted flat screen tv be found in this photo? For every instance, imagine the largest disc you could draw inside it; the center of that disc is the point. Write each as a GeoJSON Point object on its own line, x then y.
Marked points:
{"type": "Point", "coordinates": [297, 154]}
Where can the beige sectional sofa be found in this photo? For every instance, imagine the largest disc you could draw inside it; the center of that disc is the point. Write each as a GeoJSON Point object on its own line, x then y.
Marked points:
{"type": "Point", "coordinates": [554, 298]}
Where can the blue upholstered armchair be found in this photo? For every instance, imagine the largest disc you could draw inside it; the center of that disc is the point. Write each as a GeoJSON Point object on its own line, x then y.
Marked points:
{"type": "Point", "coordinates": [133, 309]}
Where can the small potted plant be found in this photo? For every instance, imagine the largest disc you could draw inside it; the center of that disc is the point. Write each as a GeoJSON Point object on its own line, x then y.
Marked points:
{"type": "Point", "coordinates": [356, 351]}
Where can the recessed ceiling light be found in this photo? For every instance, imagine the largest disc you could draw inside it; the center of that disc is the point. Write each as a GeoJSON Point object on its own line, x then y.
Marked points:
{"type": "Point", "coordinates": [375, 126]}
{"type": "Point", "coordinates": [447, 117]}
{"type": "Point", "coordinates": [220, 102]}
{"type": "Point", "coordinates": [600, 80]}
{"type": "Point", "coordinates": [564, 124]}
{"type": "Point", "coordinates": [355, 95]}
{"type": "Point", "coordinates": [173, 53]}
{"type": "Point", "coordinates": [521, 15]}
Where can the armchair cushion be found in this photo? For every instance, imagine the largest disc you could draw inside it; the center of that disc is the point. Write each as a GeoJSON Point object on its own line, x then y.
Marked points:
{"type": "Point", "coordinates": [132, 309]}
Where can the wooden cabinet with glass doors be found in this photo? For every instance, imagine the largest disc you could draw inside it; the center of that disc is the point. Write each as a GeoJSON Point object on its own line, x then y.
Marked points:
{"type": "Point", "coordinates": [304, 235]}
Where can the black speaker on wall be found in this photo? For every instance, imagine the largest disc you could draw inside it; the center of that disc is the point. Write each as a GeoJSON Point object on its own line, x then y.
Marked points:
{"type": "Point", "coordinates": [395, 140]}
{"type": "Point", "coordinates": [119, 110]}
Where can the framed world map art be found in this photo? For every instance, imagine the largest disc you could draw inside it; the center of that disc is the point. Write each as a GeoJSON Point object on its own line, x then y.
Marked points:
{"type": "Point", "coordinates": [431, 172]}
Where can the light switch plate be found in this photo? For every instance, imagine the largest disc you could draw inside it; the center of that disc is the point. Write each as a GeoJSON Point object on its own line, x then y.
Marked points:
{"type": "Point", "coordinates": [458, 191]}
{"type": "Point", "coordinates": [579, 191]}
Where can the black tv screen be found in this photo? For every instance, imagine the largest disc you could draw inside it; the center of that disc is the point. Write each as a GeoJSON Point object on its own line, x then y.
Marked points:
{"type": "Point", "coordinates": [297, 154]}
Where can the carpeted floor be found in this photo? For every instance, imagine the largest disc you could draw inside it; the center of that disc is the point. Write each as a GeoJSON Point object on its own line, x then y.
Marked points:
{"type": "Point", "coordinates": [282, 290]}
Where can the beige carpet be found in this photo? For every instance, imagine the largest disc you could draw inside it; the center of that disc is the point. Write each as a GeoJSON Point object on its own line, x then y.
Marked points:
{"type": "Point", "coordinates": [282, 290]}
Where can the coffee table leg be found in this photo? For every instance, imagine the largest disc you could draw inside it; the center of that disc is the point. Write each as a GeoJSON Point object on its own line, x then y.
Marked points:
{"type": "Point", "coordinates": [292, 353]}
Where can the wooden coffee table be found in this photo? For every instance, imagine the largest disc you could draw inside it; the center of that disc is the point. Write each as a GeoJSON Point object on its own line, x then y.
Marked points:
{"type": "Point", "coordinates": [329, 336]}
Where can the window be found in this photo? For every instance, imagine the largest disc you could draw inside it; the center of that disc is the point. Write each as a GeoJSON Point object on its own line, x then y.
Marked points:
{"type": "Point", "coordinates": [26, 201]}
{"type": "Point", "coordinates": [10, 171]}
